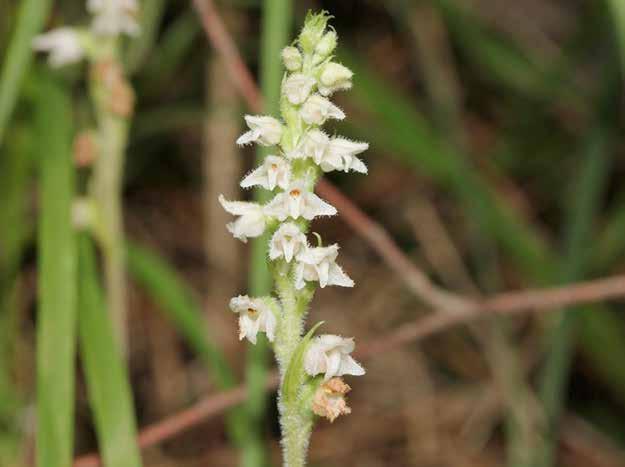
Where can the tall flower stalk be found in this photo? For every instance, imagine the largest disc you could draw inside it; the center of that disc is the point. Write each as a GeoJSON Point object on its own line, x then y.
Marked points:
{"type": "Point", "coordinates": [310, 367]}
{"type": "Point", "coordinates": [103, 147]}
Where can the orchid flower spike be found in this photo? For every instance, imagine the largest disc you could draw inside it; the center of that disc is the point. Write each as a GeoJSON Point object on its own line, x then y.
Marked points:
{"type": "Point", "coordinates": [255, 316]}
{"type": "Point", "coordinates": [303, 153]}
{"type": "Point", "coordinates": [330, 354]}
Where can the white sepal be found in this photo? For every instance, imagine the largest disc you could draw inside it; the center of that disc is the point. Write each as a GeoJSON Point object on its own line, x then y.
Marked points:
{"type": "Point", "coordinates": [255, 316]}
{"type": "Point", "coordinates": [275, 171]}
{"type": "Point", "coordinates": [63, 46]}
{"type": "Point", "coordinates": [263, 130]}
{"type": "Point", "coordinates": [297, 202]}
{"type": "Point", "coordinates": [251, 222]}
{"type": "Point", "coordinates": [298, 87]}
{"type": "Point", "coordinates": [287, 242]}
{"type": "Point", "coordinates": [317, 109]}
{"type": "Point", "coordinates": [330, 354]}
{"type": "Point", "coordinates": [319, 264]}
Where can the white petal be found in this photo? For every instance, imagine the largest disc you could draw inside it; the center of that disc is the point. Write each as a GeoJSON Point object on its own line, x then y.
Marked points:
{"type": "Point", "coordinates": [322, 272]}
{"type": "Point", "coordinates": [256, 177]}
{"type": "Point", "coordinates": [299, 276]}
{"type": "Point", "coordinates": [270, 325]}
{"type": "Point", "coordinates": [349, 366]}
{"type": "Point", "coordinates": [338, 277]}
{"type": "Point", "coordinates": [238, 208]}
{"type": "Point", "coordinates": [315, 207]}
{"type": "Point", "coordinates": [333, 364]}
{"type": "Point", "coordinates": [297, 87]}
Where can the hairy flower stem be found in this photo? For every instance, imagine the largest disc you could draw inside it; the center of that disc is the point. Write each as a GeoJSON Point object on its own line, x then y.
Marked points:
{"type": "Point", "coordinates": [295, 418]}
{"type": "Point", "coordinates": [112, 99]}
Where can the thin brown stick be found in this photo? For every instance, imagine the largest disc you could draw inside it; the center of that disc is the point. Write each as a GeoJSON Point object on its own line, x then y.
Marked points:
{"type": "Point", "coordinates": [372, 232]}
{"type": "Point", "coordinates": [509, 303]}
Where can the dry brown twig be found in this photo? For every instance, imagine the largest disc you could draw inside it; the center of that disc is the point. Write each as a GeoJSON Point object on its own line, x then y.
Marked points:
{"type": "Point", "coordinates": [464, 309]}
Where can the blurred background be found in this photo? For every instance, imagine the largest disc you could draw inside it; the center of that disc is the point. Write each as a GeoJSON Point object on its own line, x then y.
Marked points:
{"type": "Point", "coordinates": [495, 163]}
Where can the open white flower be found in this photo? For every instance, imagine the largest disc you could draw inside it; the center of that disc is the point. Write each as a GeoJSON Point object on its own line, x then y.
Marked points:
{"type": "Point", "coordinates": [251, 222]}
{"type": "Point", "coordinates": [254, 316]}
{"type": "Point", "coordinates": [330, 354]}
{"type": "Point", "coordinates": [344, 150]}
{"type": "Point", "coordinates": [334, 77]}
{"type": "Point", "coordinates": [319, 264]}
{"type": "Point", "coordinates": [297, 201]}
{"type": "Point", "coordinates": [264, 130]}
{"type": "Point", "coordinates": [317, 109]}
{"type": "Point", "coordinates": [287, 242]}
{"type": "Point", "coordinates": [333, 153]}
{"type": "Point", "coordinates": [275, 171]}
{"type": "Point", "coordinates": [298, 87]}
{"type": "Point", "coordinates": [63, 45]}
{"type": "Point", "coordinates": [114, 17]}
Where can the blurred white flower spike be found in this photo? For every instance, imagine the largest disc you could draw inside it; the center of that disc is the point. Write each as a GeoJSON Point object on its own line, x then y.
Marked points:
{"type": "Point", "coordinates": [110, 19]}
{"type": "Point", "coordinates": [301, 153]}
{"type": "Point", "coordinates": [114, 17]}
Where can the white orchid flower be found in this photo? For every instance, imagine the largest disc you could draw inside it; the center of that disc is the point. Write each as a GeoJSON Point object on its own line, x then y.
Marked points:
{"type": "Point", "coordinates": [330, 354]}
{"type": "Point", "coordinates": [287, 242]}
{"type": "Point", "coordinates": [264, 130]}
{"type": "Point", "coordinates": [298, 87]}
{"type": "Point", "coordinates": [297, 202]}
{"type": "Point", "coordinates": [254, 316]}
{"type": "Point", "coordinates": [63, 46]}
{"type": "Point", "coordinates": [334, 77]}
{"type": "Point", "coordinates": [319, 264]}
{"type": "Point", "coordinates": [275, 171]}
{"type": "Point", "coordinates": [251, 222]}
{"type": "Point", "coordinates": [333, 153]}
{"type": "Point", "coordinates": [317, 109]}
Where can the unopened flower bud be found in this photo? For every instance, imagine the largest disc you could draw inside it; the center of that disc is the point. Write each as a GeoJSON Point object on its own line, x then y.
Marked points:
{"type": "Point", "coordinates": [313, 30]}
{"type": "Point", "coordinates": [334, 77]}
{"type": "Point", "coordinates": [297, 87]}
{"type": "Point", "coordinates": [329, 399]}
{"type": "Point", "coordinates": [327, 44]}
{"type": "Point", "coordinates": [292, 58]}
{"type": "Point", "coordinates": [83, 213]}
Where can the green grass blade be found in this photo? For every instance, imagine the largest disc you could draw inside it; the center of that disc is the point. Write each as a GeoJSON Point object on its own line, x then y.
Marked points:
{"type": "Point", "coordinates": [106, 375]}
{"type": "Point", "coordinates": [177, 302]}
{"type": "Point", "coordinates": [30, 20]}
{"type": "Point", "coordinates": [617, 7]}
{"type": "Point", "coordinates": [151, 15]}
{"type": "Point", "coordinates": [586, 204]}
{"type": "Point", "coordinates": [56, 321]}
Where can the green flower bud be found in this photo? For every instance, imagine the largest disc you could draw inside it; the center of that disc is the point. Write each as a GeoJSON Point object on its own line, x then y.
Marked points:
{"type": "Point", "coordinates": [327, 44]}
{"type": "Point", "coordinates": [313, 30]}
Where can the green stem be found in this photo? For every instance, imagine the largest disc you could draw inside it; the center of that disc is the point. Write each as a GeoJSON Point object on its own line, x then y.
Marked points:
{"type": "Point", "coordinates": [109, 89]}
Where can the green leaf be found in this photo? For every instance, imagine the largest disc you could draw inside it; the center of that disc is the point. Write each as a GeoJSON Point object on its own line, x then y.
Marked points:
{"type": "Point", "coordinates": [30, 20]}
{"type": "Point", "coordinates": [108, 387]}
{"type": "Point", "coordinates": [56, 321]}
{"type": "Point", "coordinates": [295, 371]}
